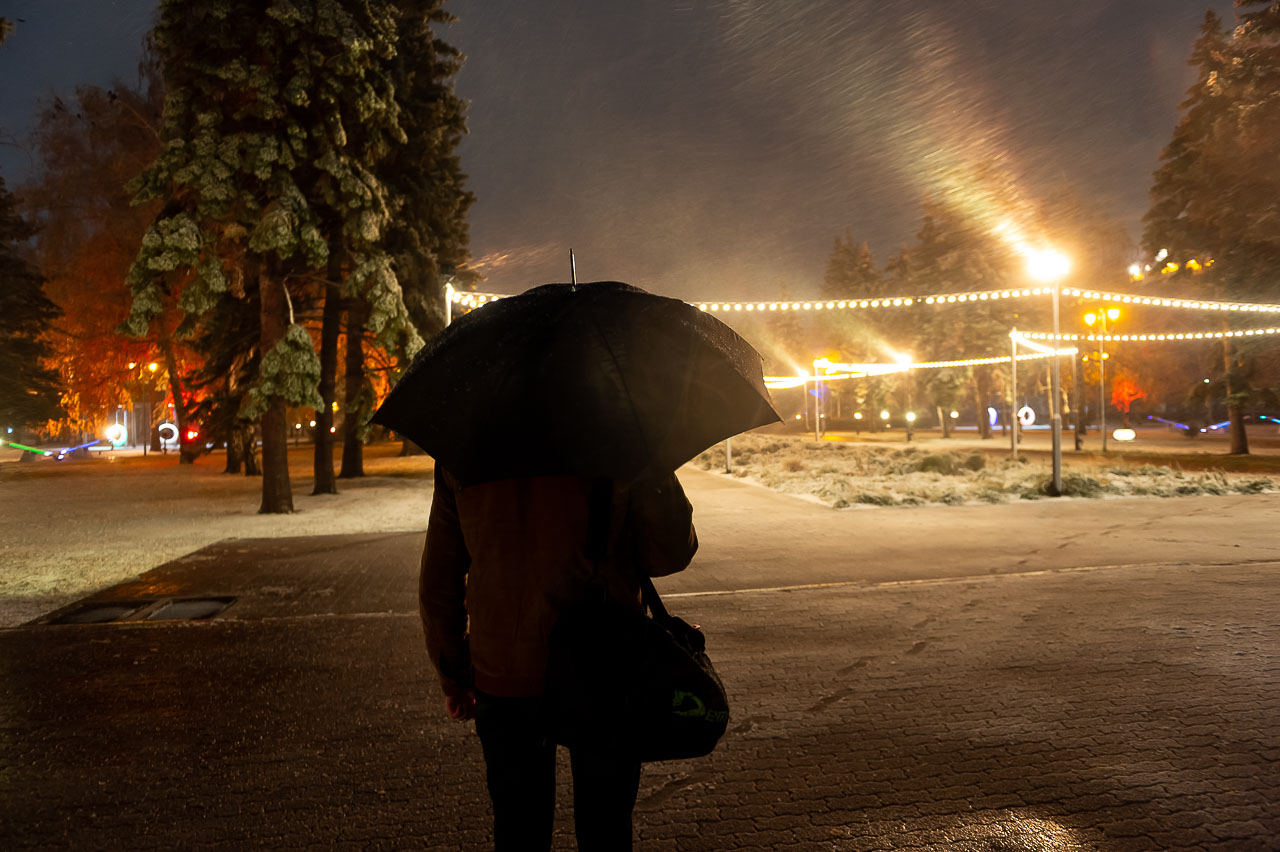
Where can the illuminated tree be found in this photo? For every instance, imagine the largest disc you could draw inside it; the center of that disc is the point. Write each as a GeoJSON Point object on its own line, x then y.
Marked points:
{"type": "Point", "coordinates": [277, 117]}
{"type": "Point", "coordinates": [90, 148]}
{"type": "Point", "coordinates": [1124, 393]}
{"type": "Point", "coordinates": [29, 391]}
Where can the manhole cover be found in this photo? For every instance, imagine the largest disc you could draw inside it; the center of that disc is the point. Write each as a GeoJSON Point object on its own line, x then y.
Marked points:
{"type": "Point", "coordinates": [189, 609]}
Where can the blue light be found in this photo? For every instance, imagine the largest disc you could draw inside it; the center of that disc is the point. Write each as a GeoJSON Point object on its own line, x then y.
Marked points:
{"type": "Point", "coordinates": [1172, 423]}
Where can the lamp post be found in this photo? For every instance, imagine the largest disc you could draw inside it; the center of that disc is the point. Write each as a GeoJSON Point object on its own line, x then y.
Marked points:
{"type": "Point", "coordinates": [1051, 267]}
{"type": "Point", "coordinates": [1089, 319]}
{"type": "Point", "coordinates": [1013, 393]}
{"type": "Point", "coordinates": [904, 360]}
{"type": "Point", "coordinates": [818, 406]}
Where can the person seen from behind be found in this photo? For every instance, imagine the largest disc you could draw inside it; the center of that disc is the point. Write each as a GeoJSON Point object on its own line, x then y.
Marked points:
{"type": "Point", "coordinates": [502, 561]}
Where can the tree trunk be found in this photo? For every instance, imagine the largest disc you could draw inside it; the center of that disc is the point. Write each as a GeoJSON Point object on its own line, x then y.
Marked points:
{"type": "Point", "coordinates": [330, 326]}
{"type": "Point", "coordinates": [277, 496]}
{"type": "Point", "coordinates": [1235, 411]}
{"type": "Point", "coordinates": [248, 439]}
{"type": "Point", "coordinates": [230, 438]}
{"type": "Point", "coordinates": [352, 446]}
{"type": "Point", "coordinates": [981, 391]}
{"type": "Point", "coordinates": [188, 451]}
{"type": "Point", "coordinates": [234, 458]}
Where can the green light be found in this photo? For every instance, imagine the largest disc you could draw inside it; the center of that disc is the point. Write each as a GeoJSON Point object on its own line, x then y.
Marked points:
{"type": "Point", "coordinates": [28, 449]}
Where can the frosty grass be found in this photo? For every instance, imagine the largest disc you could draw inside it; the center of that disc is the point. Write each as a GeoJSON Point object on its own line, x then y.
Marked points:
{"type": "Point", "coordinates": [843, 475]}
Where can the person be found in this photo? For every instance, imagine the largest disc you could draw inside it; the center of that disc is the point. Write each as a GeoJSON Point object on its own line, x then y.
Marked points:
{"type": "Point", "coordinates": [502, 561]}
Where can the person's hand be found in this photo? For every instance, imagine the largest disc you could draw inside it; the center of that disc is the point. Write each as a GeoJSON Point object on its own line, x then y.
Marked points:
{"type": "Point", "coordinates": [461, 707]}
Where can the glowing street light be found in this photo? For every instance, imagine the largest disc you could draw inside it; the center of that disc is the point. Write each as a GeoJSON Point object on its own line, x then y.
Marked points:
{"type": "Point", "coordinates": [1050, 267]}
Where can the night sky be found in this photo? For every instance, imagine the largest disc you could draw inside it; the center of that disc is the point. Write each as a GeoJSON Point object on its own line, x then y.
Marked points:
{"type": "Point", "coordinates": [715, 148]}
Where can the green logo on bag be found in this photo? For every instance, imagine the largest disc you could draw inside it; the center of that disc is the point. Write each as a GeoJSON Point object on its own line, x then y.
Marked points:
{"type": "Point", "coordinates": [687, 704]}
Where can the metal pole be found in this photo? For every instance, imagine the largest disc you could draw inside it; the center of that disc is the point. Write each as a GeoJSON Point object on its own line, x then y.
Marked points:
{"type": "Point", "coordinates": [1013, 393]}
{"type": "Point", "coordinates": [448, 303]}
{"type": "Point", "coordinates": [1057, 403]}
{"type": "Point", "coordinates": [910, 414]}
{"type": "Point", "coordinates": [817, 405]}
{"type": "Point", "coordinates": [573, 269]}
{"type": "Point", "coordinates": [1102, 382]}
{"type": "Point", "coordinates": [728, 456]}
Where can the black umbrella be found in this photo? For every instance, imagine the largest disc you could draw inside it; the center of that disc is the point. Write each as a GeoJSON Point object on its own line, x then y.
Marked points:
{"type": "Point", "coordinates": [599, 379]}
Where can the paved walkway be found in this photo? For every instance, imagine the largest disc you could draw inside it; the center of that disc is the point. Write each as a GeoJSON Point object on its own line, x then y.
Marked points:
{"type": "Point", "coordinates": [1130, 705]}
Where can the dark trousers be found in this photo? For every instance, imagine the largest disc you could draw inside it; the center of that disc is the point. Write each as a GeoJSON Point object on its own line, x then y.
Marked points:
{"type": "Point", "coordinates": [521, 764]}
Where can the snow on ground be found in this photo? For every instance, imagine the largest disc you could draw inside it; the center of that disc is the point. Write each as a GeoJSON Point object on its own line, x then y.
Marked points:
{"type": "Point", "coordinates": [70, 528]}
{"type": "Point", "coordinates": [844, 475]}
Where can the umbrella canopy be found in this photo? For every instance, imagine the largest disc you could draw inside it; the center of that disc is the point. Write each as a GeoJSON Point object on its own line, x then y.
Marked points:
{"type": "Point", "coordinates": [600, 379]}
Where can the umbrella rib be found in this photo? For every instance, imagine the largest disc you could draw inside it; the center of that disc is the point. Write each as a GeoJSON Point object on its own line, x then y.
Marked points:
{"type": "Point", "coordinates": [617, 364]}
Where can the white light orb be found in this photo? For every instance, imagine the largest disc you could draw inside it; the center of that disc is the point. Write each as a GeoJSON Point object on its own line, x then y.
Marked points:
{"type": "Point", "coordinates": [1048, 266]}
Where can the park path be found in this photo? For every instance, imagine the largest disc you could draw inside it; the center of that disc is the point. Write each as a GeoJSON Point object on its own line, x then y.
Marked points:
{"type": "Point", "coordinates": [1116, 692]}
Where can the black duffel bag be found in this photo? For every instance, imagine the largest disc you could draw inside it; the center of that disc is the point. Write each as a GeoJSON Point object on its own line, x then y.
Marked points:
{"type": "Point", "coordinates": [626, 683]}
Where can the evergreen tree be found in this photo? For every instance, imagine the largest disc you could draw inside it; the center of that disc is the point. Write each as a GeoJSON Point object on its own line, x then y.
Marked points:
{"type": "Point", "coordinates": [29, 391]}
{"type": "Point", "coordinates": [429, 236]}
{"type": "Point", "coordinates": [1215, 196]}
{"type": "Point", "coordinates": [851, 274]}
{"type": "Point", "coordinates": [277, 117]}
{"type": "Point", "coordinates": [953, 254]}
{"type": "Point", "coordinates": [1185, 206]}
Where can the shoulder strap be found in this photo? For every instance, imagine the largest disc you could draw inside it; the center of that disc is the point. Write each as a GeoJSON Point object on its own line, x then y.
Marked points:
{"type": "Point", "coordinates": [649, 595]}
{"type": "Point", "coordinates": [599, 505]}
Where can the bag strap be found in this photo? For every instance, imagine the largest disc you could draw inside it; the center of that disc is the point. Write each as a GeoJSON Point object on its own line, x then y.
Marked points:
{"type": "Point", "coordinates": [649, 596]}
{"type": "Point", "coordinates": [599, 506]}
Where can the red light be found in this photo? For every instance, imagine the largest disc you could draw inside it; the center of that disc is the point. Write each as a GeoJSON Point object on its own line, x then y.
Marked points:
{"type": "Point", "coordinates": [192, 434]}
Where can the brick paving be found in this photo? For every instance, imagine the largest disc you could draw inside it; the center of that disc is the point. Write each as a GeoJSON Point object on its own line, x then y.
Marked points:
{"type": "Point", "coordinates": [1123, 708]}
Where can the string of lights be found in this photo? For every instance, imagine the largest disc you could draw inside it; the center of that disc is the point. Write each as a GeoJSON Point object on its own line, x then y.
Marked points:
{"type": "Point", "coordinates": [836, 372]}
{"type": "Point", "coordinates": [1163, 302]}
{"type": "Point", "coordinates": [473, 300]}
{"type": "Point", "coordinates": [1137, 338]}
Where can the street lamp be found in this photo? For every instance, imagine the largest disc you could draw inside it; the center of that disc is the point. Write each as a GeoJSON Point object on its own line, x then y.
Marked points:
{"type": "Point", "coordinates": [1101, 317]}
{"type": "Point", "coordinates": [1050, 267]}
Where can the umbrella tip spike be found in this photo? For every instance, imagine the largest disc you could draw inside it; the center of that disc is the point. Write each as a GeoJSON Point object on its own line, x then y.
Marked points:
{"type": "Point", "coordinates": [573, 270]}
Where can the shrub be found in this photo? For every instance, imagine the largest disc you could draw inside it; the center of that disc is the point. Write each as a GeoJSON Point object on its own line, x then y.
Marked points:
{"type": "Point", "coordinates": [1078, 485]}
{"type": "Point", "coordinates": [936, 464]}
{"type": "Point", "coordinates": [975, 462]}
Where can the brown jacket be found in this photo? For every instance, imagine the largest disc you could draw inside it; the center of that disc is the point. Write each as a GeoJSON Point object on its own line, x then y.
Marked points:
{"type": "Point", "coordinates": [504, 559]}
